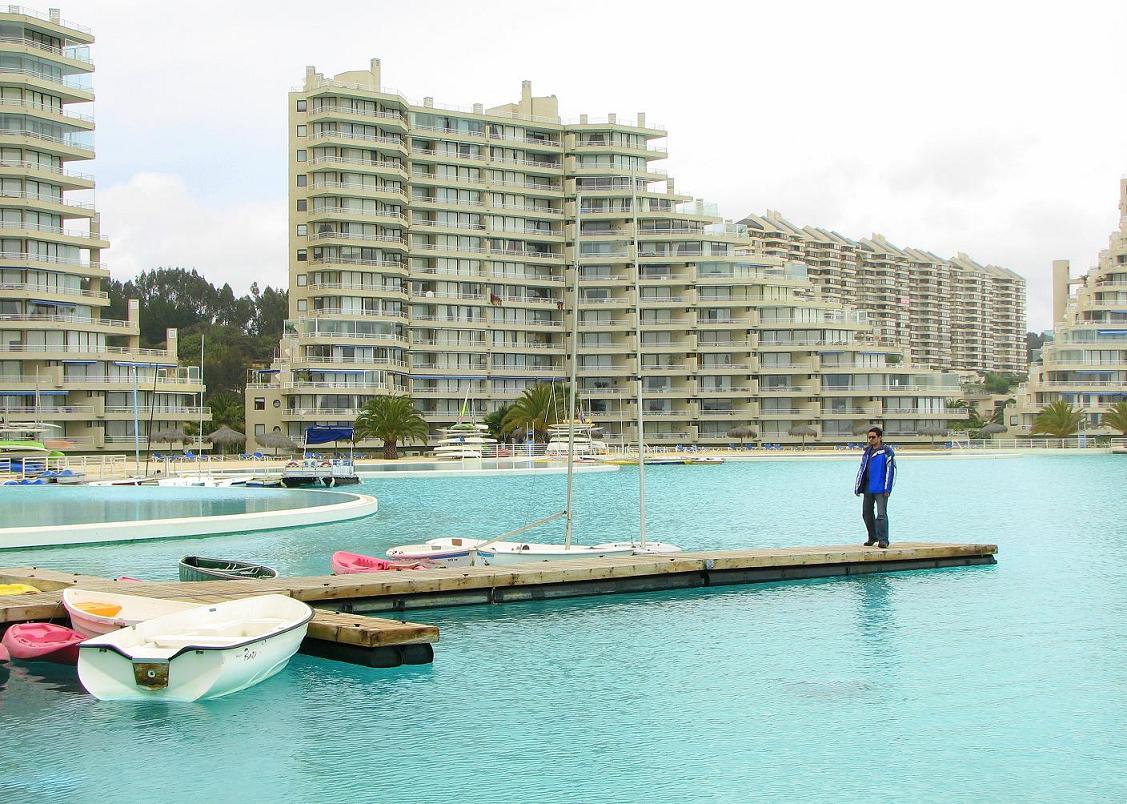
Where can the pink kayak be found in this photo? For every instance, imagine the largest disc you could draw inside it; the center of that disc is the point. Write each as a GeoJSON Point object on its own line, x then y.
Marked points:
{"type": "Point", "coordinates": [4, 655]}
{"type": "Point", "coordinates": [345, 563]}
{"type": "Point", "coordinates": [44, 642]}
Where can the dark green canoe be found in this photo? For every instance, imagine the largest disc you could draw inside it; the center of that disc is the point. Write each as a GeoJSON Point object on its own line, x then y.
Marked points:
{"type": "Point", "coordinates": [197, 568]}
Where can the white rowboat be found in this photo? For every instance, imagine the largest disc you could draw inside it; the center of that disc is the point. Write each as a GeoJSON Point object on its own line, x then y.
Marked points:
{"type": "Point", "coordinates": [94, 613]}
{"type": "Point", "coordinates": [205, 652]}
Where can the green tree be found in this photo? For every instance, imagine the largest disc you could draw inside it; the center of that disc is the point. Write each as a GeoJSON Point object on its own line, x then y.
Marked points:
{"type": "Point", "coordinates": [1116, 418]}
{"type": "Point", "coordinates": [539, 406]}
{"type": "Point", "coordinates": [1001, 383]}
{"type": "Point", "coordinates": [391, 418]}
{"type": "Point", "coordinates": [495, 420]}
{"type": "Point", "coordinates": [227, 409]}
{"type": "Point", "coordinates": [1058, 419]}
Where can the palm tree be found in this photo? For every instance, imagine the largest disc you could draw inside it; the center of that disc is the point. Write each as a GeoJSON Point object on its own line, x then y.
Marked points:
{"type": "Point", "coordinates": [1116, 418]}
{"type": "Point", "coordinates": [539, 406]}
{"type": "Point", "coordinates": [1058, 419]}
{"type": "Point", "coordinates": [494, 421]}
{"type": "Point", "coordinates": [391, 418]}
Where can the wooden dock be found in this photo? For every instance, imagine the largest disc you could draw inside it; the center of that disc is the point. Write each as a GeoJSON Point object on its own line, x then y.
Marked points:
{"type": "Point", "coordinates": [370, 641]}
{"type": "Point", "coordinates": [338, 631]}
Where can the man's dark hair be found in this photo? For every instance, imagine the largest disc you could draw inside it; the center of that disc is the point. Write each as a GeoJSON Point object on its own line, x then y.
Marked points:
{"type": "Point", "coordinates": [877, 430]}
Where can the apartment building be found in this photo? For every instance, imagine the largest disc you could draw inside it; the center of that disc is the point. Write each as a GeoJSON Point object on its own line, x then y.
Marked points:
{"type": "Point", "coordinates": [1085, 364]}
{"type": "Point", "coordinates": [432, 252]}
{"type": "Point", "coordinates": [953, 314]}
{"type": "Point", "coordinates": [63, 363]}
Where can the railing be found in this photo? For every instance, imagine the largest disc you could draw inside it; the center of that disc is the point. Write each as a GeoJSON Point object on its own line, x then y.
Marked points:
{"type": "Point", "coordinates": [65, 140]}
{"type": "Point", "coordinates": [350, 413]}
{"type": "Point", "coordinates": [346, 160]}
{"type": "Point", "coordinates": [39, 227]}
{"type": "Point", "coordinates": [84, 350]}
{"type": "Point", "coordinates": [44, 107]}
{"type": "Point", "coordinates": [140, 382]}
{"type": "Point", "coordinates": [349, 185]}
{"type": "Point", "coordinates": [381, 114]}
{"type": "Point", "coordinates": [356, 261]}
{"type": "Point", "coordinates": [367, 238]}
{"type": "Point", "coordinates": [32, 287]}
{"type": "Point", "coordinates": [39, 15]}
{"type": "Point", "coordinates": [145, 410]}
{"type": "Point", "coordinates": [45, 197]}
{"type": "Point", "coordinates": [346, 135]}
{"type": "Point", "coordinates": [67, 319]}
{"type": "Point", "coordinates": [25, 165]}
{"type": "Point", "coordinates": [46, 409]}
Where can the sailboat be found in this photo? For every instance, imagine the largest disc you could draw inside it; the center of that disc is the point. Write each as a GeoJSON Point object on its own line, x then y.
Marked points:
{"type": "Point", "coordinates": [516, 553]}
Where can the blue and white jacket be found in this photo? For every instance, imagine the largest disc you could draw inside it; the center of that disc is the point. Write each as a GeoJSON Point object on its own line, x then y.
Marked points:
{"type": "Point", "coordinates": [881, 463]}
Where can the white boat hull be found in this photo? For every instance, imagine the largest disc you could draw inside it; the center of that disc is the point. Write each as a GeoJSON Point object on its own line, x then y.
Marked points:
{"type": "Point", "coordinates": [207, 652]}
{"type": "Point", "coordinates": [449, 551]}
{"type": "Point", "coordinates": [636, 549]}
{"type": "Point", "coordinates": [506, 553]}
{"type": "Point", "coordinates": [134, 609]}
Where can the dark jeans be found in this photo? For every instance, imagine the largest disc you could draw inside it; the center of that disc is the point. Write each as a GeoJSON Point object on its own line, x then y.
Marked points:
{"type": "Point", "coordinates": [877, 526]}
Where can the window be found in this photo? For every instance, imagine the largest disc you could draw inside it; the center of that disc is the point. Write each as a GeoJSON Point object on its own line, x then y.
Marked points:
{"type": "Point", "coordinates": [302, 131]}
{"type": "Point", "coordinates": [277, 403]}
{"type": "Point", "coordinates": [302, 230]}
{"type": "Point", "coordinates": [260, 403]}
{"type": "Point", "coordinates": [301, 105]}
{"type": "Point", "coordinates": [302, 305]}
{"type": "Point", "coordinates": [301, 179]}
{"type": "Point", "coordinates": [302, 155]}
{"type": "Point", "coordinates": [302, 255]}
{"type": "Point", "coordinates": [302, 205]}
{"type": "Point", "coordinates": [301, 280]}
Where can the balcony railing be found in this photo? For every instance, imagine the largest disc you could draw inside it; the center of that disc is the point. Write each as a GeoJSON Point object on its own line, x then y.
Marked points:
{"type": "Point", "coordinates": [65, 140]}
{"type": "Point", "coordinates": [32, 287]}
{"type": "Point", "coordinates": [84, 350]}
{"type": "Point", "coordinates": [68, 319]}
{"type": "Point", "coordinates": [38, 166]}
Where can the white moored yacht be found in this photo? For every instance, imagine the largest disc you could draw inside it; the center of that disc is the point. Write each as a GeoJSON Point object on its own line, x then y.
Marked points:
{"type": "Point", "coordinates": [465, 440]}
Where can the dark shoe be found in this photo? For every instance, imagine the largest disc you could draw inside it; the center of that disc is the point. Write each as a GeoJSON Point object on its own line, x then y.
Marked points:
{"type": "Point", "coordinates": [882, 545]}
{"type": "Point", "coordinates": [870, 542]}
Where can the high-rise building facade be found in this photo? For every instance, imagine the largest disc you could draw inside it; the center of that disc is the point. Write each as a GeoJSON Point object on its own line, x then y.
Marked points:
{"type": "Point", "coordinates": [1085, 364]}
{"type": "Point", "coordinates": [432, 252]}
{"type": "Point", "coordinates": [953, 314]}
{"type": "Point", "coordinates": [78, 374]}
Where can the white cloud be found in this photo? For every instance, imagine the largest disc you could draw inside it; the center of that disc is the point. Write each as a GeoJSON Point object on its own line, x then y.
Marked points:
{"type": "Point", "coordinates": [152, 220]}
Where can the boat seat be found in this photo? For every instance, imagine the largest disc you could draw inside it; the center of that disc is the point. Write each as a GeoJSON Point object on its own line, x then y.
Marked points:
{"type": "Point", "coordinates": [184, 640]}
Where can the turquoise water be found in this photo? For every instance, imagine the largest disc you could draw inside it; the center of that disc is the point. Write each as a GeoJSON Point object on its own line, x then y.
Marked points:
{"type": "Point", "coordinates": [1006, 682]}
{"type": "Point", "coordinates": [24, 506]}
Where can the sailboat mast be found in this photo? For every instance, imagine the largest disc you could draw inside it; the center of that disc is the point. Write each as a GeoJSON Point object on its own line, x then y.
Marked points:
{"type": "Point", "coordinates": [199, 444]}
{"type": "Point", "coordinates": [638, 357]}
{"type": "Point", "coordinates": [569, 520]}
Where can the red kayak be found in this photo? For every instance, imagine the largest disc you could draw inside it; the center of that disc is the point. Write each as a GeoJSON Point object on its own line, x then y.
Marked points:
{"type": "Point", "coordinates": [42, 642]}
{"type": "Point", "coordinates": [345, 563]}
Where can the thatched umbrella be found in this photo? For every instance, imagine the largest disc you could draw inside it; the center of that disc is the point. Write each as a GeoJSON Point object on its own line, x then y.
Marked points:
{"type": "Point", "coordinates": [168, 436]}
{"type": "Point", "coordinates": [225, 435]}
{"type": "Point", "coordinates": [741, 433]}
{"type": "Point", "coordinates": [993, 429]}
{"type": "Point", "coordinates": [276, 441]}
{"type": "Point", "coordinates": [803, 430]}
{"type": "Point", "coordinates": [932, 431]}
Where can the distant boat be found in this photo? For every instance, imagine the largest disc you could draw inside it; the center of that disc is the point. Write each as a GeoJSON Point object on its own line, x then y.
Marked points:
{"type": "Point", "coordinates": [697, 460]}
{"type": "Point", "coordinates": [345, 563]}
{"type": "Point", "coordinates": [205, 652]}
{"type": "Point", "coordinates": [583, 442]}
{"type": "Point", "coordinates": [446, 551]}
{"type": "Point", "coordinates": [94, 613]}
{"type": "Point", "coordinates": [44, 642]}
{"type": "Point", "coordinates": [198, 568]}
{"type": "Point", "coordinates": [465, 440]}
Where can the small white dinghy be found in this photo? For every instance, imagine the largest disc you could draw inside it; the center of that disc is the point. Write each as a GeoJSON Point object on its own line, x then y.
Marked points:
{"type": "Point", "coordinates": [94, 613]}
{"type": "Point", "coordinates": [205, 652]}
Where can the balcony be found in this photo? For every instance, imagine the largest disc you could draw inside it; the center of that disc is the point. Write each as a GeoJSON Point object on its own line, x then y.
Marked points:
{"type": "Point", "coordinates": [67, 179]}
{"type": "Point", "coordinates": [36, 289]}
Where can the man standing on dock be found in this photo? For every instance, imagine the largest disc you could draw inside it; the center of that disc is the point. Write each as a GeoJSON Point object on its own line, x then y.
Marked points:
{"type": "Point", "coordinates": [874, 481]}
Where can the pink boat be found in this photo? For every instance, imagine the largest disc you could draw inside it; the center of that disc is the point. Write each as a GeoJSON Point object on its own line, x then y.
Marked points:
{"type": "Point", "coordinates": [345, 563]}
{"type": "Point", "coordinates": [42, 642]}
{"type": "Point", "coordinates": [4, 655]}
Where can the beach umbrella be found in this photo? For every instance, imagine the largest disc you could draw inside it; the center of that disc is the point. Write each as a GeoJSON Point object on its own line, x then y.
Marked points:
{"type": "Point", "coordinates": [168, 436]}
{"type": "Point", "coordinates": [932, 431]}
{"type": "Point", "coordinates": [993, 429]}
{"type": "Point", "coordinates": [276, 441]}
{"type": "Point", "coordinates": [225, 435]}
{"type": "Point", "coordinates": [803, 430]}
{"type": "Point", "coordinates": [741, 433]}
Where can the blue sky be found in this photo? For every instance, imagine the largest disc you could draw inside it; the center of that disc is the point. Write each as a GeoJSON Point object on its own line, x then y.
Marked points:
{"type": "Point", "coordinates": [997, 129]}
